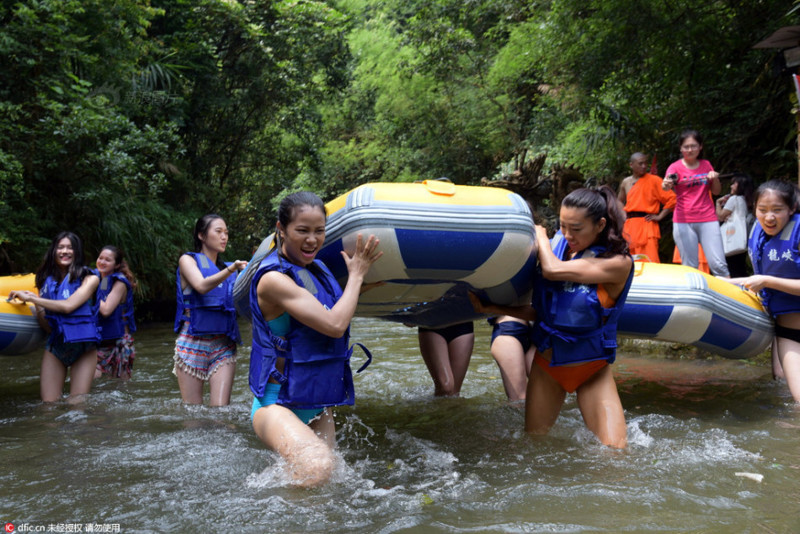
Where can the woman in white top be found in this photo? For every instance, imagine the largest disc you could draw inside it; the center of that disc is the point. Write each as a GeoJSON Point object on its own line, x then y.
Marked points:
{"type": "Point", "coordinates": [737, 205]}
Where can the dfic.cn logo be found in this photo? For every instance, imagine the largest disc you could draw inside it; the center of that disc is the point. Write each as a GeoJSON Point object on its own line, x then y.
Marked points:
{"type": "Point", "coordinates": [9, 528]}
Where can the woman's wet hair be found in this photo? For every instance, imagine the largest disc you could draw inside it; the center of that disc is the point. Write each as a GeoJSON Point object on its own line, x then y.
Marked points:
{"type": "Point", "coordinates": [201, 227]}
{"type": "Point", "coordinates": [120, 265]}
{"type": "Point", "coordinates": [787, 192]}
{"type": "Point", "coordinates": [601, 202]}
{"type": "Point", "coordinates": [286, 210]}
{"type": "Point", "coordinates": [49, 266]}
{"type": "Point", "coordinates": [290, 204]}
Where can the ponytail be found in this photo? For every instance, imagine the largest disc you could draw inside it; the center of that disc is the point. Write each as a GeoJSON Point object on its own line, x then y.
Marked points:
{"type": "Point", "coordinates": [601, 202]}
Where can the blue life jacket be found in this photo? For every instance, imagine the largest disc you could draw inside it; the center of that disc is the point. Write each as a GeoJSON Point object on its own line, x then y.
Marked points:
{"type": "Point", "coordinates": [209, 313]}
{"type": "Point", "coordinates": [316, 371]}
{"type": "Point", "coordinates": [113, 326]}
{"type": "Point", "coordinates": [777, 256]}
{"type": "Point", "coordinates": [570, 318]}
{"type": "Point", "coordinates": [75, 327]}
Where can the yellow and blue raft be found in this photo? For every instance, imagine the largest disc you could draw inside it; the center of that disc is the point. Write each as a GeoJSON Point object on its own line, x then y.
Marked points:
{"type": "Point", "coordinates": [439, 241]}
{"type": "Point", "coordinates": [683, 305]}
{"type": "Point", "coordinates": [20, 332]}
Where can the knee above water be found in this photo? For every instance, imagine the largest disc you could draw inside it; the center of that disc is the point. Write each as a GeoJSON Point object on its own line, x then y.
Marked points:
{"type": "Point", "coordinates": [313, 466]}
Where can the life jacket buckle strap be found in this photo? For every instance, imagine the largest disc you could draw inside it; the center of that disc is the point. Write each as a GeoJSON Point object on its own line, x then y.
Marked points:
{"type": "Point", "coordinates": [280, 343]}
{"type": "Point", "coordinates": [367, 352]}
{"type": "Point", "coordinates": [279, 377]}
{"type": "Point", "coordinates": [559, 334]}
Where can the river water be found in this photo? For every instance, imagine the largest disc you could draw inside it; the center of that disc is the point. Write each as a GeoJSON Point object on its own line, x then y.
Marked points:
{"type": "Point", "coordinates": [134, 459]}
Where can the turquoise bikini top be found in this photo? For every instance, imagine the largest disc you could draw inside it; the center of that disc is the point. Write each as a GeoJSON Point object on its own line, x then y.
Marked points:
{"type": "Point", "coordinates": [280, 325]}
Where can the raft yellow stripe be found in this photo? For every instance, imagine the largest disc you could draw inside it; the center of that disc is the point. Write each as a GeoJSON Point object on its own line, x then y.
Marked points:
{"type": "Point", "coordinates": [17, 281]}
{"type": "Point", "coordinates": [665, 274]}
{"type": "Point", "coordinates": [421, 194]}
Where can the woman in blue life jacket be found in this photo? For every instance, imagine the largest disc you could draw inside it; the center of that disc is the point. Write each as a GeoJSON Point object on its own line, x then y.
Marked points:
{"type": "Point", "coordinates": [65, 308]}
{"type": "Point", "coordinates": [116, 353]}
{"type": "Point", "coordinates": [774, 248]}
{"type": "Point", "coordinates": [205, 318]}
{"type": "Point", "coordinates": [299, 363]}
{"type": "Point", "coordinates": [586, 273]}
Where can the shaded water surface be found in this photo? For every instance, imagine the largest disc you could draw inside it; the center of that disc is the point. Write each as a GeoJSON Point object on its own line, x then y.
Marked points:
{"type": "Point", "coordinates": [134, 458]}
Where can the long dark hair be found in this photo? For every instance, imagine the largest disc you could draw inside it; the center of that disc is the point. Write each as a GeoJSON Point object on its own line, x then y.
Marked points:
{"type": "Point", "coordinates": [601, 202]}
{"type": "Point", "coordinates": [286, 210]}
{"type": "Point", "coordinates": [201, 228]}
{"type": "Point", "coordinates": [787, 191]}
{"type": "Point", "coordinates": [745, 188]}
{"type": "Point", "coordinates": [120, 265]}
{"type": "Point", "coordinates": [49, 267]}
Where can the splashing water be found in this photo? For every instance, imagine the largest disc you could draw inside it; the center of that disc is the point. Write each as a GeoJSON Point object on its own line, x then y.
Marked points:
{"type": "Point", "coordinates": [134, 456]}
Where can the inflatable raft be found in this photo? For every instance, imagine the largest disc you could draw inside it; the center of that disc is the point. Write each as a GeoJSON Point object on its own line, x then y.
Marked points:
{"type": "Point", "coordinates": [439, 241]}
{"type": "Point", "coordinates": [20, 333]}
{"type": "Point", "coordinates": [683, 305]}
{"type": "Point", "coordinates": [442, 240]}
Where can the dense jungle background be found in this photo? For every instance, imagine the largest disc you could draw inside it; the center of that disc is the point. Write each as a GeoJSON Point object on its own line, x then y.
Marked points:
{"type": "Point", "coordinates": [124, 120]}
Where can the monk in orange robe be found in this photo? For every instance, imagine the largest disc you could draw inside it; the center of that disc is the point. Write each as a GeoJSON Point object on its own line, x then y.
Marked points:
{"type": "Point", "coordinates": [645, 203]}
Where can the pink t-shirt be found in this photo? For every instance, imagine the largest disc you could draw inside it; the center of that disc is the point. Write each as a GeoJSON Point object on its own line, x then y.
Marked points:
{"type": "Point", "coordinates": [693, 192]}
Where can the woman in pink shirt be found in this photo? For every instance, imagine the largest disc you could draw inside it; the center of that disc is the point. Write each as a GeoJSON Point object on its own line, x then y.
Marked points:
{"type": "Point", "coordinates": [695, 217]}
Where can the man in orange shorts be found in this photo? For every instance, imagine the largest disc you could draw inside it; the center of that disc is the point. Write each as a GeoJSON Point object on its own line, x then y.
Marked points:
{"type": "Point", "coordinates": [645, 204]}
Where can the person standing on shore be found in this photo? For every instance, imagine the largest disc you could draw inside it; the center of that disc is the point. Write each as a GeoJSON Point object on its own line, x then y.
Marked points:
{"type": "Point", "coordinates": [695, 219]}
{"type": "Point", "coordinates": [646, 204]}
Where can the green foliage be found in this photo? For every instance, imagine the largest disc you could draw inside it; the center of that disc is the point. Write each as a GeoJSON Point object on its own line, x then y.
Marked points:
{"type": "Point", "coordinates": [249, 78]}
{"type": "Point", "coordinates": [631, 74]}
{"type": "Point", "coordinates": [12, 188]}
{"type": "Point", "coordinates": [125, 121]}
{"type": "Point", "coordinates": [419, 105]}
{"type": "Point", "coordinates": [63, 142]}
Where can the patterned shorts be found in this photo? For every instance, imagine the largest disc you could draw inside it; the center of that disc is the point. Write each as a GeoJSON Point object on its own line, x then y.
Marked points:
{"type": "Point", "coordinates": [202, 356]}
{"type": "Point", "coordinates": [115, 357]}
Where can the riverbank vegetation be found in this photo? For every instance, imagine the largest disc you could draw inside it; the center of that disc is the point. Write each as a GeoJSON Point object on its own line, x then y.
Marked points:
{"type": "Point", "coordinates": [124, 121]}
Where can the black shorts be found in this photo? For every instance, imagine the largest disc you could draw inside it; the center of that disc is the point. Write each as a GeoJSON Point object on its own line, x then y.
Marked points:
{"type": "Point", "coordinates": [788, 333]}
{"type": "Point", "coordinates": [449, 333]}
{"type": "Point", "coordinates": [69, 353]}
{"type": "Point", "coordinates": [521, 332]}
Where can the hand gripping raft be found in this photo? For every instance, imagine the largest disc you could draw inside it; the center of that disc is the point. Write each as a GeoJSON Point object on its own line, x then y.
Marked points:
{"type": "Point", "coordinates": [20, 332]}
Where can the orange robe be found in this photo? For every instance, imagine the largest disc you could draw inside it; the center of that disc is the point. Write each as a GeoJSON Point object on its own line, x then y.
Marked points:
{"type": "Point", "coordinates": [646, 196]}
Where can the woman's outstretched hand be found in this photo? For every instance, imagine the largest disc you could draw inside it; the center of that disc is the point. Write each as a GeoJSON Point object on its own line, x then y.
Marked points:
{"type": "Point", "coordinates": [364, 256]}
{"type": "Point", "coordinates": [541, 232]}
{"type": "Point", "coordinates": [239, 265]}
{"type": "Point", "coordinates": [755, 283]}
{"type": "Point", "coordinates": [23, 295]}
